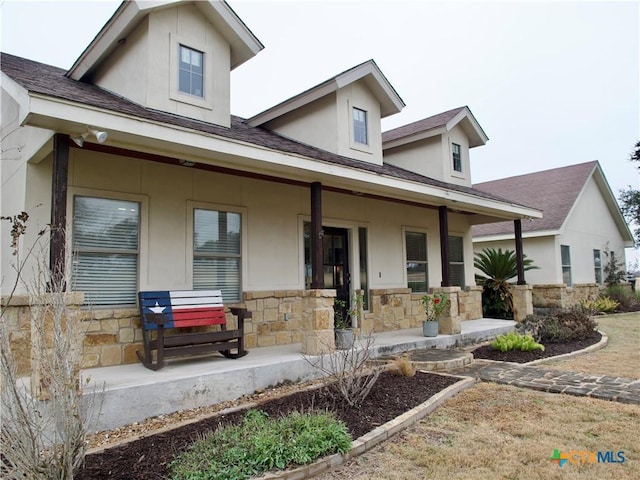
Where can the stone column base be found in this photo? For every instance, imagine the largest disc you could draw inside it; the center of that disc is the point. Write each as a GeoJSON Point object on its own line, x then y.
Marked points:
{"type": "Point", "coordinates": [522, 301]}
{"type": "Point", "coordinates": [317, 322]}
{"type": "Point", "coordinates": [449, 323]}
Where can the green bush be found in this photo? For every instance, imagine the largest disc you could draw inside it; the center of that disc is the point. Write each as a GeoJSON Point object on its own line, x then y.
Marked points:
{"type": "Point", "coordinates": [560, 326]}
{"type": "Point", "coordinates": [628, 301]}
{"type": "Point", "coordinates": [260, 444]}
{"type": "Point", "coordinates": [515, 341]}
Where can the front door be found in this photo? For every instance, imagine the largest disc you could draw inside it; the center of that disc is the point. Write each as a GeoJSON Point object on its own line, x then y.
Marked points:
{"type": "Point", "coordinates": [336, 262]}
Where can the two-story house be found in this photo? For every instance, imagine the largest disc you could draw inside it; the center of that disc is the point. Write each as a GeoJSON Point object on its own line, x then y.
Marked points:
{"type": "Point", "coordinates": [158, 186]}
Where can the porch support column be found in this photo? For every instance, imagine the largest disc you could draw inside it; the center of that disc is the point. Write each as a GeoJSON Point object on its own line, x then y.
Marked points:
{"type": "Point", "coordinates": [59, 210]}
{"type": "Point", "coordinates": [519, 255]}
{"type": "Point", "coordinates": [444, 246]}
{"type": "Point", "coordinates": [317, 277]}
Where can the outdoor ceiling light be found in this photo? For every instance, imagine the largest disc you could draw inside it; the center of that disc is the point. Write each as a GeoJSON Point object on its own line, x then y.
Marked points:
{"type": "Point", "coordinates": [100, 136]}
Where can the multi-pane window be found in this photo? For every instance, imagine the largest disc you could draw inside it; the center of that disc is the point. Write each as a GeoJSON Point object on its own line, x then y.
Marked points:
{"type": "Point", "coordinates": [360, 126]}
{"type": "Point", "coordinates": [456, 261]}
{"type": "Point", "coordinates": [416, 247]}
{"type": "Point", "coordinates": [191, 71]}
{"type": "Point", "coordinates": [565, 254]}
{"type": "Point", "coordinates": [106, 242]}
{"type": "Point", "coordinates": [217, 252]}
{"type": "Point", "coordinates": [457, 157]}
{"type": "Point", "coordinates": [597, 265]}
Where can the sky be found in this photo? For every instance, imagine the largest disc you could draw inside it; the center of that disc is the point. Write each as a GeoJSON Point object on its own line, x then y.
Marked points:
{"type": "Point", "coordinates": [551, 83]}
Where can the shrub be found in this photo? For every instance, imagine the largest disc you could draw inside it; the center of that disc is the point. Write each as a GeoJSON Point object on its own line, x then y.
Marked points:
{"type": "Point", "coordinates": [603, 304]}
{"type": "Point", "coordinates": [627, 301]}
{"type": "Point", "coordinates": [260, 444]}
{"type": "Point", "coordinates": [559, 326]}
{"type": "Point", "coordinates": [403, 366]}
{"type": "Point", "coordinates": [497, 267]}
{"type": "Point", "coordinates": [515, 341]}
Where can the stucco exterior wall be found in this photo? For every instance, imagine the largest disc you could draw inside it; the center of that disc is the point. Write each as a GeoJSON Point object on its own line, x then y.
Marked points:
{"type": "Point", "coordinates": [145, 67]}
{"type": "Point", "coordinates": [433, 157]}
{"type": "Point", "coordinates": [315, 124]}
{"type": "Point", "coordinates": [456, 135]}
{"type": "Point", "coordinates": [423, 157]}
{"type": "Point", "coordinates": [588, 227]}
{"type": "Point", "coordinates": [273, 216]}
{"type": "Point", "coordinates": [544, 251]}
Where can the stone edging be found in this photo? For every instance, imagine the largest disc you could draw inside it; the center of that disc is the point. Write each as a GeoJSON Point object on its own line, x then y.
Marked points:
{"type": "Point", "coordinates": [374, 437]}
{"type": "Point", "coordinates": [591, 348]}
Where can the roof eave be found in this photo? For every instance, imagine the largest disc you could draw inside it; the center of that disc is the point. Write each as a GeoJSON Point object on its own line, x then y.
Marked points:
{"type": "Point", "coordinates": [63, 115]}
{"type": "Point", "coordinates": [244, 45]}
{"type": "Point", "coordinates": [390, 101]}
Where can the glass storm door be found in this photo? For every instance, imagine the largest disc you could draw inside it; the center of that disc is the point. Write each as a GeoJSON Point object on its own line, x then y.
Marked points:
{"type": "Point", "coordinates": [335, 245]}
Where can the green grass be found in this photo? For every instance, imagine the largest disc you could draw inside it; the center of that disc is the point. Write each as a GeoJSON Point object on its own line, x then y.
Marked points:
{"type": "Point", "coordinates": [260, 444]}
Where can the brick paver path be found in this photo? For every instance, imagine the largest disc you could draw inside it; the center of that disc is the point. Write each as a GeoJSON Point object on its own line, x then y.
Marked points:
{"type": "Point", "coordinates": [607, 387]}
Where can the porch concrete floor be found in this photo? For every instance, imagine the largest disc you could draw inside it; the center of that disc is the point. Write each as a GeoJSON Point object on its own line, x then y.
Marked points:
{"type": "Point", "coordinates": [130, 393]}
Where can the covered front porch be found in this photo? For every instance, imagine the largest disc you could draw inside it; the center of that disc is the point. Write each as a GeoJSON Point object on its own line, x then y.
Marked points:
{"type": "Point", "coordinates": [132, 393]}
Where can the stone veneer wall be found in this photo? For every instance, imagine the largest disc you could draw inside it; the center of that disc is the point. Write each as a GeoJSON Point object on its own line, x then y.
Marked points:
{"type": "Point", "coordinates": [550, 296]}
{"type": "Point", "coordinates": [399, 308]}
{"type": "Point", "coordinates": [112, 335]}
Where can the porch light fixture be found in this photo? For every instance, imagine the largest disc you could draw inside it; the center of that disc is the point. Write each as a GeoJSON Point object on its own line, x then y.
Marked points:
{"type": "Point", "coordinates": [100, 136]}
{"type": "Point", "coordinates": [186, 163]}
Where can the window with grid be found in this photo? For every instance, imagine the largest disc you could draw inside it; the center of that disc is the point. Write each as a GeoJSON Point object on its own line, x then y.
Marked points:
{"type": "Point", "coordinates": [565, 254]}
{"type": "Point", "coordinates": [191, 71]}
{"type": "Point", "coordinates": [106, 242]}
{"type": "Point", "coordinates": [217, 252]}
{"type": "Point", "coordinates": [456, 261]}
{"type": "Point", "coordinates": [416, 248]}
{"type": "Point", "coordinates": [457, 157]}
{"type": "Point", "coordinates": [597, 264]}
{"type": "Point", "coordinates": [360, 126]}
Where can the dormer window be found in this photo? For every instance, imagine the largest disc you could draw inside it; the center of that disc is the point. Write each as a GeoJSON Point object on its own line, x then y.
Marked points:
{"type": "Point", "coordinates": [360, 126]}
{"type": "Point", "coordinates": [457, 157]}
{"type": "Point", "coordinates": [191, 71]}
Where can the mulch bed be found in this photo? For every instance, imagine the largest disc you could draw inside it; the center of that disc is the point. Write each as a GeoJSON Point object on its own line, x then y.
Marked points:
{"type": "Point", "coordinates": [148, 457]}
{"type": "Point", "coordinates": [550, 350]}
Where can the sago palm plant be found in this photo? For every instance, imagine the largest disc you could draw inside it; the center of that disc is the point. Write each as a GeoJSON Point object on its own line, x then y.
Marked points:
{"type": "Point", "coordinates": [497, 267]}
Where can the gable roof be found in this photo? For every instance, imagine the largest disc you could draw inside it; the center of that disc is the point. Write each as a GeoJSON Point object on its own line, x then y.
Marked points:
{"type": "Point", "coordinates": [390, 101]}
{"type": "Point", "coordinates": [243, 43]}
{"type": "Point", "coordinates": [436, 125]}
{"type": "Point", "coordinates": [48, 82]}
{"type": "Point", "coordinates": [555, 192]}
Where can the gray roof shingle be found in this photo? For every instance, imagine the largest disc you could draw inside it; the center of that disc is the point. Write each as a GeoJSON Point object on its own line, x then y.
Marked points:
{"type": "Point", "coordinates": [553, 191]}
{"type": "Point", "coordinates": [51, 81]}
{"type": "Point", "coordinates": [421, 125]}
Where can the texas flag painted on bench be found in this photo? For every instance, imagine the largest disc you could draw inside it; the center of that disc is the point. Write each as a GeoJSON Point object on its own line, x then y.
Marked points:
{"type": "Point", "coordinates": [183, 308]}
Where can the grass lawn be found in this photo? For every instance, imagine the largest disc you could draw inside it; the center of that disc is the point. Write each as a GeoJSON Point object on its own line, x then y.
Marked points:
{"type": "Point", "coordinates": [500, 432]}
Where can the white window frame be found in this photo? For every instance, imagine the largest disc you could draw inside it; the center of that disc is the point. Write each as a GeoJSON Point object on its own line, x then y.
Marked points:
{"type": "Point", "coordinates": [459, 157]}
{"type": "Point", "coordinates": [206, 101]}
{"type": "Point", "coordinates": [422, 231]}
{"type": "Point", "coordinates": [451, 262]}
{"type": "Point", "coordinates": [184, 48]}
{"type": "Point", "coordinates": [598, 269]}
{"type": "Point", "coordinates": [242, 211]}
{"type": "Point", "coordinates": [357, 128]}
{"type": "Point", "coordinates": [566, 266]}
{"type": "Point", "coordinates": [143, 238]}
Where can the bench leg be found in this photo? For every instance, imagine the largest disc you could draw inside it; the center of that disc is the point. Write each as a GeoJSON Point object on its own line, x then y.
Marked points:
{"type": "Point", "coordinates": [147, 360]}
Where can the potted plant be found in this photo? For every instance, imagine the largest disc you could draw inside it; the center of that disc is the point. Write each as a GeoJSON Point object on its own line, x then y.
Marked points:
{"type": "Point", "coordinates": [434, 306]}
{"type": "Point", "coordinates": [343, 321]}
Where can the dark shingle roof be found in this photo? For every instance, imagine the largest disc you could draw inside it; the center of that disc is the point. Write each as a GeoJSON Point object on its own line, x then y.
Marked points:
{"type": "Point", "coordinates": [552, 191]}
{"type": "Point", "coordinates": [51, 81]}
{"type": "Point", "coordinates": [421, 125]}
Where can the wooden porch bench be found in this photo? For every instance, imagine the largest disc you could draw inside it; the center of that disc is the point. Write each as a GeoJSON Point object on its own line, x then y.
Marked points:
{"type": "Point", "coordinates": [180, 309]}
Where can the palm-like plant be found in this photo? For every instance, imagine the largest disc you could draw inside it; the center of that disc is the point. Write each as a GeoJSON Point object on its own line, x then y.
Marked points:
{"type": "Point", "coordinates": [498, 267]}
